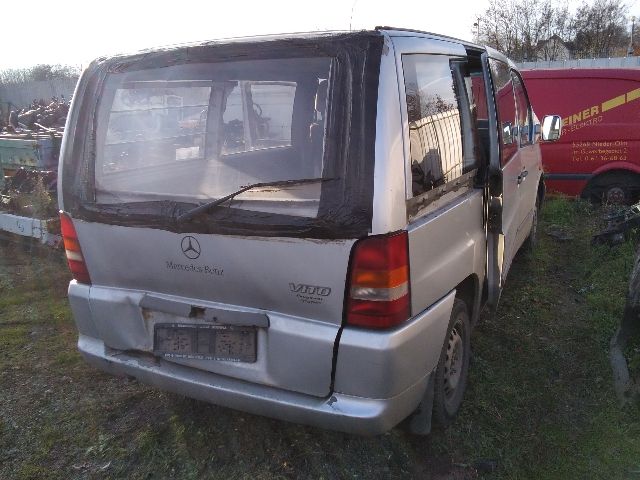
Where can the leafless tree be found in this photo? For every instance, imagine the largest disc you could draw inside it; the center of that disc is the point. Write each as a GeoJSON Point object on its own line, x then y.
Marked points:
{"type": "Point", "coordinates": [519, 29]}
{"type": "Point", "coordinates": [547, 30]}
{"type": "Point", "coordinates": [601, 29]}
{"type": "Point", "coordinates": [38, 72]}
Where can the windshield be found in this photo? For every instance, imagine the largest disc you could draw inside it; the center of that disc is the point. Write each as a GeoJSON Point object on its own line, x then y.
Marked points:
{"type": "Point", "coordinates": [198, 132]}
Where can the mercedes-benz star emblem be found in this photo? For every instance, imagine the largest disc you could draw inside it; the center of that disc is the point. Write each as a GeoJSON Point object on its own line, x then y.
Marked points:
{"type": "Point", "coordinates": [190, 247]}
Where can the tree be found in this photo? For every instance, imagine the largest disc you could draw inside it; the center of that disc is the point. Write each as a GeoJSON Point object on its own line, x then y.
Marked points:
{"type": "Point", "coordinates": [517, 28]}
{"type": "Point", "coordinates": [38, 73]}
{"type": "Point", "coordinates": [530, 30]}
{"type": "Point", "coordinates": [601, 29]}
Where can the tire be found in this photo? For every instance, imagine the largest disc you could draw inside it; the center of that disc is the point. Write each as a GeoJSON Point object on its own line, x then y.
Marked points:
{"type": "Point", "coordinates": [452, 371]}
{"type": "Point", "coordinates": [618, 188]}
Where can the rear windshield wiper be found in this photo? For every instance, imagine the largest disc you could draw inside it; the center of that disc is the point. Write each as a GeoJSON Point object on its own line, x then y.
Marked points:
{"type": "Point", "coordinates": [189, 214]}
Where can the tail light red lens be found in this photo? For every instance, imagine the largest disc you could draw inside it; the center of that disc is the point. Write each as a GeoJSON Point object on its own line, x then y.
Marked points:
{"type": "Point", "coordinates": [378, 290]}
{"type": "Point", "coordinates": [72, 247]}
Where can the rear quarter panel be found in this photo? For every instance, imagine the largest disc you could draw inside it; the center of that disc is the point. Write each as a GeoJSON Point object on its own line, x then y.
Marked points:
{"type": "Point", "coordinates": [445, 247]}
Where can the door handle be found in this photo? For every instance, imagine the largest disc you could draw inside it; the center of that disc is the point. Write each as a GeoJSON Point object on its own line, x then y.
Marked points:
{"type": "Point", "coordinates": [522, 176]}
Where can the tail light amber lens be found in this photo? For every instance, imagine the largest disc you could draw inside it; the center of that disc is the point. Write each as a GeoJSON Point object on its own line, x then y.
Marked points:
{"type": "Point", "coordinates": [379, 295]}
{"type": "Point", "coordinates": [72, 248]}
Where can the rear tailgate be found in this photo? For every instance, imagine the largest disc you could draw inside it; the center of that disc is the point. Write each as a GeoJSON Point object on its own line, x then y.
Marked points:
{"type": "Point", "coordinates": [158, 136]}
{"type": "Point", "coordinates": [297, 283]}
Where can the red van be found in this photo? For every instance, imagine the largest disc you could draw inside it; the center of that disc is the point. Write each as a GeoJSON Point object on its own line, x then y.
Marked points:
{"type": "Point", "coordinates": [598, 155]}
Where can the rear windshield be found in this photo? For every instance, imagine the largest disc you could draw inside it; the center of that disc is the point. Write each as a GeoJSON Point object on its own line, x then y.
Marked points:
{"type": "Point", "coordinates": [196, 133]}
{"type": "Point", "coordinates": [177, 139]}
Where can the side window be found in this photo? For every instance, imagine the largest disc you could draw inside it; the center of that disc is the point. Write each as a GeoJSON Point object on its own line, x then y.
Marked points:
{"type": "Point", "coordinates": [165, 120]}
{"type": "Point", "coordinates": [506, 108]}
{"type": "Point", "coordinates": [434, 113]}
{"type": "Point", "coordinates": [273, 110]}
{"type": "Point", "coordinates": [523, 110]}
{"type": "Point", "coordinates": [234, 139]}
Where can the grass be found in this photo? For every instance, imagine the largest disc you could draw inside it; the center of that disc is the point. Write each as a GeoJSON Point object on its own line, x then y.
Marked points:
{"type": "Point", "coordinates": [541, 370]}
{"type": "Point", "coordinates": [540, 403]}
{"type": "Point", "coordinates": [633, 355]}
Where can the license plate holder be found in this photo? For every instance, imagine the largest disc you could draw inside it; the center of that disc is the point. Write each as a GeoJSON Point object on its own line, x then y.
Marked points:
{"type": "Point", "coordinates": [205, 342]}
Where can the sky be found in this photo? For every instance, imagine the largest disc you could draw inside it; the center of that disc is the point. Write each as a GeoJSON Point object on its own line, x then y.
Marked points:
{"type": "Point", "coordinates": [75, 32]}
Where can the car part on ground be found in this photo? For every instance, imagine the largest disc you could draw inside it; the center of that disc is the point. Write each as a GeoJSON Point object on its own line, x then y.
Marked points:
{"type": "Point", "coordinates": [627, 387]}
{"type": "Point", "coordinates": [618, 225]}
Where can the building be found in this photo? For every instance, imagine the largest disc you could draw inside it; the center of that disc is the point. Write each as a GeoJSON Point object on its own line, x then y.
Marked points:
{"type": "Point", "coordinates": [554, 48]}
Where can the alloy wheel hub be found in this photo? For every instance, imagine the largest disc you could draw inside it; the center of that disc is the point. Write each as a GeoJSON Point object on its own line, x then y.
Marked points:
{"type": "Point", "coordinates": [615, 195]}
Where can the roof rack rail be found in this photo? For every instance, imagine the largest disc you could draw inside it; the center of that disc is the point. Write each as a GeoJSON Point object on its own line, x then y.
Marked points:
{"type": "Point", "coordinates": [386, 27]}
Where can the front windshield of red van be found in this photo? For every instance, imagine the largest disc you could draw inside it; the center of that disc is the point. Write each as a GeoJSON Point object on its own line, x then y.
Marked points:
{"type": "Point", "coordinates": [199, 132]}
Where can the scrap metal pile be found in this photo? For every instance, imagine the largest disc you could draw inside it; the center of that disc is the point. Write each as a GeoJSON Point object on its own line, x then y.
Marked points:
{"type": "Point", "coordinates": [30, 192]}
{"type": "Point", "coordinates": [39, 116]}
{"type": "Point", "coordinates": [30, 140]}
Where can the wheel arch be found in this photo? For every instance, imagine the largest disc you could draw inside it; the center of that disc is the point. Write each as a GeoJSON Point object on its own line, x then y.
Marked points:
{"type": "Point", "coordinates": [542, 190]}
{"type": "Point", "coordinates": [616, 167]}
{"type": "Point", "coordinates": [469, 290]}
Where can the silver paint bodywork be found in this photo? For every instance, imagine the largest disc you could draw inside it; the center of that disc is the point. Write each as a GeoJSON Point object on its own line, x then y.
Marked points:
{"type": "Point", "coordinates": [366, 416]}
{"type": "Point", "coordinates": [384, 364]}
{"type": "Point", "coordinates": [447, 242]}
{"type": "Point", "coordinates": [295, 352]}
{"type": "Point", "coordinates": [310, 368]}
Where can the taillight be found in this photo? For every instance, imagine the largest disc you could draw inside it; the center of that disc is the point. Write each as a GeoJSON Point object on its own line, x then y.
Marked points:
{"type": "Point", "coordinates": [72, 247]}
{"type": "Point", "coordinates": [379, 282]}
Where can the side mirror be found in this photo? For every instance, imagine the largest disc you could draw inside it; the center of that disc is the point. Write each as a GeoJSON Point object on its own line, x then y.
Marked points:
{"type": "Point", "coordinates": [551, 128]}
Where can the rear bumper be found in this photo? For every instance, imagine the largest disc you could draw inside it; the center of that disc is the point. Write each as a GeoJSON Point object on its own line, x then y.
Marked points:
{"type": "Point", "coordinates": [338, 412]}
{"type": "Point", "coordinates": [380, 376]}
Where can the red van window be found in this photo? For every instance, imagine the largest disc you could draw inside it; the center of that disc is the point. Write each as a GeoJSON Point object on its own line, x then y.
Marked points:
{"type": "Point", "coordinates": [524, 111]}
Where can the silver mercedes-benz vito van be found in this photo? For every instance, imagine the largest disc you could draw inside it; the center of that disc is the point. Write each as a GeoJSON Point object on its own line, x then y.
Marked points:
{"type": "Point", "coordinates": [299, 226]}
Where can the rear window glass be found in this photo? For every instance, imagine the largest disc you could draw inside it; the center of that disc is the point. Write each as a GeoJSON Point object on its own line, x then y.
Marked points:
{"type": "Point", "coordinates": [201, 132]}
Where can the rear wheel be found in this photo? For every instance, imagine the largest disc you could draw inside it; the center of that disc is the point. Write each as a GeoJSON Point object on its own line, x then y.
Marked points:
{"type": "Point", "coordinates": [613, 188]}
{"type": "Point", "coordinates": [453, 367]}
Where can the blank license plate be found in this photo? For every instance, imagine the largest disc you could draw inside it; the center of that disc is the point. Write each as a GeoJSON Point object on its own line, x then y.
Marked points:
{"type": "Point", "coordinates": [205, 342]}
